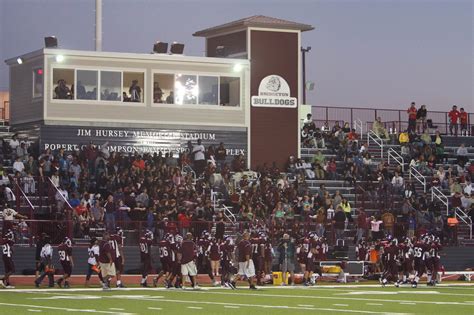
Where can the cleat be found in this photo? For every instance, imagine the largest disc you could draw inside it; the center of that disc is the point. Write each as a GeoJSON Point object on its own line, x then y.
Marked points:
{"type": "Point", "coordinates": [252, 287]}
{"type": "Point", "coordinates": [121, 286]}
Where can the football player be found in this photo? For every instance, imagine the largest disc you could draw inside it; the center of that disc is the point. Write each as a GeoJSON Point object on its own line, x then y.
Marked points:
{"type": "Point", "coordinates": [116, 241]}
{"type": "Point", "coordinates": [433, 260]}
{"type": "Point", "coordinates": [203, 262]}
{"type": "Point", "coordinates": [226, 262]}
{"type": "Point", "coordinates": [6, 244]}
{"type": "Point", "coordinates": [47, 268]}
{"type": "Point", "coordinates": [215, 258]}
{"type": "Point", "coordinates": [175, 265]}
{"type": "Point", "coordinates": [66, 260]}
{"type": "Point", "coordinates": [145, 255]}
{"type": "Point", "coordinates": [406, 258]}
{"type": "Point", "coordinates": [106, 260]}
{"type": "Point", "coordinates": [420, 250]}
{"type": "Point", "coordinates": [186, 256]}
{"type": "Point", "coordinates": [93, 261]}
{"type": "Point", "coordinates": [165, 252]}
{"type": "Point", "coordinates": [258, 256]}
{"type": "Point", "coordinates": [391, 254]}
{"type": "Point", "coordinates": [246, 266]}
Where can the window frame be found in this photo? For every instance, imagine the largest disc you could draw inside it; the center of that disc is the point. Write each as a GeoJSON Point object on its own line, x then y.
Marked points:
{"type": "Point", "coordinates": [37, 96]}
{"type": "Point", "coordinates": [98, 69]}
{"type": "Point", "coordinates": [199, 74]}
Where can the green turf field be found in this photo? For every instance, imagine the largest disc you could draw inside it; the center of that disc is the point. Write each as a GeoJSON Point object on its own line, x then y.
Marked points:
{"type": "Point", "coordinates": [268, 300]}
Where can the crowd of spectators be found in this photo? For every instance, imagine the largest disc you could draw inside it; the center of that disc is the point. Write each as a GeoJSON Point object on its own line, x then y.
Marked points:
{"type": "Point", "coordinates": [185, 191]}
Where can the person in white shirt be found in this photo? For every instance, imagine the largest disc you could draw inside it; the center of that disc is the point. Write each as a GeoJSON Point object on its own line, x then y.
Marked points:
{"type": "Point", "coordinates": [18, 165]}
{"type": "Point", "coordinates": [397, 183]}
{"type": "Point", "coordinates": [93, 261]}
{"type": "Point", "coordinates": [46, 267]}
{"type": "Point", "coordinates": [199, 157]}
{"type": "Point", "coordinates": [61, 197]}
{"type": "Point", "coordinates": [14, 143]}
{"type": "Point", "coordinates": [468, 189]}
{"type": "Point", "coordinates": [9, 196]}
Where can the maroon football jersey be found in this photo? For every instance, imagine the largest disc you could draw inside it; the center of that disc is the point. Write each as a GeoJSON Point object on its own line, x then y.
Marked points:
{"type": "Point", "coordinates": [188, 251]}
{"type": "Point", "coordinates": [215, 251]}
{"type": "Point", "coordinates": [203, 245]}
{"type": "Point", "coordinates": [227, 251]}
{"type": "Point", "coordinates": [104, 249]}
{"type": "Point", "coordinates": [116, 241]}
{"type": "Point", "coordinates": [245, 249]}
{"type": "Point", "coordinates": [7, 247]}
{"type": "Point", "coordinates": [420, 250]}
{"type": "Point", "coordinates": [65, 253]}
{"type": "Point", "coordinates": [435, 249]}
{"type": "Point", "coordinates": [145, 247]}
{"type": "Point", "coordinates": [362, 252]}
{"type": "Point", "coordinates": [164, 249]}
{"type": "Point", "coordinates": [391, 253]}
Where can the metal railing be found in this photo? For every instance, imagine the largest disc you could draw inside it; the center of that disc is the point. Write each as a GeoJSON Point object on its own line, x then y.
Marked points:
{"type": "Point", "coordinates": [418, 176]}
{"type": "Point", "coordinates": [376, 139]}
{"type": "Point", "coordinates": [391, 153]}
{"type": "Point", "coordinates": [229, 215]}
{"type": "Point", "coordinates": [358, 126]}
{"type": "Point", "coordinates": [438, 194]}
{"type": "Point", "coordinates": [20, 193]}
{"type": "Point", "coordinates": [462, 216]}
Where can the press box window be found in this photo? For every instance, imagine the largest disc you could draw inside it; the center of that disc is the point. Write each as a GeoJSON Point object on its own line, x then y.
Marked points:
{"type": "Point", "coordinates": [86, 85]}
{"type": "Point", "coordinates": [185, 89]}
{"type": "Point", "coordinates": [110, 86]}
{"type": "Point", "coordinates": [163, 91]}
{"type": "Point", "coordinates": [63, 81]}
{"type": "Point", "coordinates": [38, 82]}
{"type": "Point", "coordinates": [132, 89]}
{"type": "Point", "coordinates": [208, 90]}
{"type": "Point", "coordinates": [229, 91]}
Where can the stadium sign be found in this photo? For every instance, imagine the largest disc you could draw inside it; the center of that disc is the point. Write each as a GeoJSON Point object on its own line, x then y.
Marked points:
{"type": "Point", "coordinates": [140, 140]}
{"type": "Point", "coordinates": [274, 91]}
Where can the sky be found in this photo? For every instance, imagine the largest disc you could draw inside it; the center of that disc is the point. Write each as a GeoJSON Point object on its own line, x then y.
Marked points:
{"type": "Point", "coordinates": [365, 53]}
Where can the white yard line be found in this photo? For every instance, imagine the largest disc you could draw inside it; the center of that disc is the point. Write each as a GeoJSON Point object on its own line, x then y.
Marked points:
{"type": "Point", "coordinates": [341, 304]}
{"type": "Point", "coordinates": [339, 298]}
{"type": "Point", "coordinates": [195, 307]}
{"type": "Point", "coordinates": [410, 303]}
{"type": "Point", "coordinates": [374, 304]}
{"type": "Point", "coordinates": [305, 305]}
{"type": "Point", "coordinates": [32, 310]}
{"type": "Point", "coordinates": [155, 308]}
{"type": "Point", "coordinates": [116, 309]}
{"type": "Point", "coordinates": [231, 306]}
{"type": "Point", "coordinates": [62, 308]}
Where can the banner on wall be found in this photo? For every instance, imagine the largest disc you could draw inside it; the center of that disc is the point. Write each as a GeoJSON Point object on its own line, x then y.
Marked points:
{"type": "Point", "coordinates": [274, 91]}
{"type": "Point", "coordinates": [136, 140]}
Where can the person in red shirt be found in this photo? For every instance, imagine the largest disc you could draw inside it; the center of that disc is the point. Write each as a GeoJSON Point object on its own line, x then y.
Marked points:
{"type": "Point", "coordinates": [463, 120]}
{"type": "Point", "coordinates": [412, 117]}
{"type": "Point", "coordinates": [246, 266]}
{"type": "Point", "coordinates": [453, 120]}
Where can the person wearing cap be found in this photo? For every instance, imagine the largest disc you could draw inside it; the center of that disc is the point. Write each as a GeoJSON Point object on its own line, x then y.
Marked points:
{"type": "Point", "coordinates": [287, 251]}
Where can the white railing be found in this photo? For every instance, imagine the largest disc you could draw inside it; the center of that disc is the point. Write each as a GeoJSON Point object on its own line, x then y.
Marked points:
{"type": "Point", "coordinates": [462, 216]}
{"type": "Point", "coordinates": [418, 176]}
{"type": "Point", "coordinates": [391, 153]}
{"type": "Point", "coordinates": [229, 215]}
{"type": "Point", "coordinates": [438, 194]}
{"type": "Point", "coordinates": [359, 127]}
{"type": "Point", "coordinates": [376, 139]}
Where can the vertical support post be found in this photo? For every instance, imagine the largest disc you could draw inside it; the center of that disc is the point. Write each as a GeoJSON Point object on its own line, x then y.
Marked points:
{"type": "Point", "coordinates": [98, 25]}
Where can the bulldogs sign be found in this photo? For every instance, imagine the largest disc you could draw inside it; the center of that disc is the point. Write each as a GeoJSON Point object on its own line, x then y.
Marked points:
{"type": "Point", "coordinates": [274, 91]}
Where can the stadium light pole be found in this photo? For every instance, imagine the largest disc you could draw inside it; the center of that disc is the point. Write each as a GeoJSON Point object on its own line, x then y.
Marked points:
{"type": "Point", "coordinates": [303, 53]}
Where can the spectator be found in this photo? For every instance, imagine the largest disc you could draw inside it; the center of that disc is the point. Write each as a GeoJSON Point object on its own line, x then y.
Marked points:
{"type": "Point", "coordinates": [199, 157]}
{"type": "Point", "coordinates": [463, 118]}
{"type": "Point", "coordinates": [421, 119]}
{"type": "Point", "coordinates": [110, 212]}
{"type": "Point", "coordinates": [135, 92]}
{"type": "Point", "coordinates": [338, 222]}
{"type": "Point", "coordinates": [361, 226]}
{"type": "Point", "coordinates": [375, 228]}
{"type": "Point", "coordinates": [397, 183]}
{"type": "Point", "coordinates": [379, 129]}
{"type": "Point", "coordinates": [453, 120]}
{"type": "Point", "coordinates": [412, 116]}
{"type": "Point", "coordinates": [287, 253]}
{"type": "Point", "coordinates": [388, 222]}
{"type": "Point", "coordinates": [18, 165]}
{"type": "Point", "coordinates": [461, 155]}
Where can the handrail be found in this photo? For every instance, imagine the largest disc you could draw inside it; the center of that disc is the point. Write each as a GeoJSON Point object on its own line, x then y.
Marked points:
{"type": "Point", "coordinates": [418, 176]}
{"type": "Point", "coordinates": [391, 153]}
{"type": "Point", "coordinates": [436, 192]}
{"type": "Point", "coordinates": [375, 138]}
{"type": "Point", "coordinates": [18, 189]}
{"type": "Point", "coordinates": [464, 218]}
{"type": "Point", "coordinates": [358, 125]}
{"type": "Point", "coordinates": [59, 193]}
{"type": "Point", "coordinates": [229, 215]}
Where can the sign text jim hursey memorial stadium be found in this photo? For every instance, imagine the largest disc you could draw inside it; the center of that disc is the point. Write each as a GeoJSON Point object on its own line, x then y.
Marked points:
{"type": "Point", "coordinates": [274, 91]}
{"type": "Point", "coordinates": [131, 140]}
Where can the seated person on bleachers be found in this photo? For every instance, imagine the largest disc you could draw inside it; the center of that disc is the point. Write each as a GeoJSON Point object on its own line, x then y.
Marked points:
{"type": "Point", "coordinates": [308, 122]}
{"type": "Point", "coordinates": [404, 138]}
{"type": "Point", "coordinates": [425, 137]}
{"type": "Point", "coordinates": [461, 155]}
{"type": "Point", "coordinates": [379, 129]}
{"type": "Point", "coordinates": [306, 167]}
{"type": "Point", "coordinates": [62, 91]}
